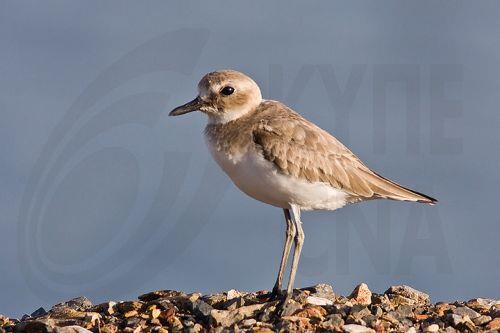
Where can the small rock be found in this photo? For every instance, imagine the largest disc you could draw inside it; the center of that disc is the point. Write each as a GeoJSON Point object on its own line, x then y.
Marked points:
{"type": "Point", "coordinates": [322, 290]}
{"type": "Point", "coordinates": [454, 319]}
{"type": "Point", "coordinates": [494, 324]}
{"type": "Point", "coordinates": [248, 322]}
{"type": "Point", "coordinates": [370, 320]}
{"type": "Point", "coordinates": [466, 326]}
{"type": "Point", "coordinates": [314, 300]}
{"type": "Point", "coordinates": [432, 328]}
{"type": "Point", "coordinates": [359, 311]}
{"type": "Point", "coordinates": [416, 296]}
{"type": "Point", "coordinates": [81, 303]}
{"type": "Point", "coordinates": [39, 312]}
{"type": "Point", "coordinates": [333, 323]}
{"type": "Point", "coordinates": [202, 309]}
{"type": "Point", "coordinates": [353, 328]}
{"type": "Point", "coordinates": [161, 294]}
{"type": "Point", "coordinates": [290, 308]}
{"type": "Point", "coordinates": [405, 311]}
{"type": "Point", "coordinates": [377, 311]}
{"type": "Point", "coordinates": [109, 328]}
{"type": "Point", "coordinates": [107, 308]}
{"type": "Point", "coordinates": [481, 320]}
{"type": "Point", "coordinates": [71, 329]}
{"type": "Point", "coordinates": [233, 294]}
{"type": "Point", "coordinates": [316, 312]}
{"type": "Point", "coordinates": [92, 319]}
{"type": "Point", "coordinates": [129, 306]}
{"type": "Point", "coordinates": [228, 318]}
{"type": "Point", "coordinates": [361, 294]}
{"type": "Point", "coordinates": [465, 311]}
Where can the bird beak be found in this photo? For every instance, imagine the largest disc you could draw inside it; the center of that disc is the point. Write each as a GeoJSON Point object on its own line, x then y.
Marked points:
{"type": "Point", "coordinates": [194, 105]}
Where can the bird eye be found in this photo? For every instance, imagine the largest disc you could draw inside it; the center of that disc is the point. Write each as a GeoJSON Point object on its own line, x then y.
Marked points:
{"type": "Point", "coordinates": [227, 90]}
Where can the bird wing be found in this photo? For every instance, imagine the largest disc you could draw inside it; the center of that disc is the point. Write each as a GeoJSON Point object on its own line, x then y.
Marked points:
{"type": "Point", "coordinates": [300, 149]}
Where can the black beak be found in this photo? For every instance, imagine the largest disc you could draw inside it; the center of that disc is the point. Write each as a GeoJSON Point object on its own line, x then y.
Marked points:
{"type": "Point", "coordinates": [194, 105]}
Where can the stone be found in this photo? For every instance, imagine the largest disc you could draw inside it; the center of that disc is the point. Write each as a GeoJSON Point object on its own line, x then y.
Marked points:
{"type": "Point", "coordinates": [407, 292]}
{"type": "Point", "coordinates": [322, 290]}
{"type": "Point", "coordinates": [71, 329]}
{"type": "Point", "coordinates": [361, 294]}
{"type": "Point", "coordinates": [228, 318]}
{"type": "Point", "coordinates": [248, 322]}
{"type": "Point", "coordinates": [262, 330]}
{"type": "Point", "coordinates": [109, 328]}
{"type": "Point", "coordinates": [313, 309]}
{"type": "Point", "coordinates": [353, 328]}
{"type": "Point", "coordinates": [405, 311]}
{"type": "Point", "coordinates": [370, 320]}
{"type": "Point", "coordinates": [314, 300]}
{"type": "Point", "coordinates": [92, 319]}
{"type": "Point", "coordinates": [214, 299]}
{"type": "Point", "coordinates": [290, 308]}
{"type": "Point", "coordinates": [494, 324]}
{"type": "Point", "coordinates": [202, 309]}
{"type": "Point", "coordinates": [107, 308]}
{"type": "Point", "coordinates": [158, 294]}
{"type": "Point", "coordinates": [316, 312]}
{"type": "Point", "coordinates": [454, 319]}
{"type": "Point", "coordinates": [481, 320]}
{"type": "Point", "coordinates": [39, 312]}
{"type": "Point", "coordinates": [466, 326]}
{"type": "Point", "coordinates": [432, 328]}
{"type": "Point", "coordinates": [377, 311]}
{"type": "Point", "coordinates": [129, 306]}
{"type": "Point", "coordinates": [233, 294]}
{"type": "Point", "coordinates": [81, 303]}
{"type": "Point", "coordinates": [333, 322]}
{"type": "Point", "coordinates": [358, 311]}
{"type": "Point", "coordinates": [465, 311]}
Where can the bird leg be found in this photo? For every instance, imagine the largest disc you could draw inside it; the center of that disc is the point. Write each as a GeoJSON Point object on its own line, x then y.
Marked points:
{"type": "Point", "coordinates": [299, 241]}
{"type": "Point", "coordinates": [289, 236]}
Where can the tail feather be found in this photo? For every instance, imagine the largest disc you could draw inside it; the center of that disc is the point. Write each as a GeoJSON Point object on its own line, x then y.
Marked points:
{"type": "Point", "coordinates": [386, 188]}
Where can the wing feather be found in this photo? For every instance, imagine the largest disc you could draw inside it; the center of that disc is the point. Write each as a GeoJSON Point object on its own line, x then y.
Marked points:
{"type": "Point", "coordinates": [301, 149]}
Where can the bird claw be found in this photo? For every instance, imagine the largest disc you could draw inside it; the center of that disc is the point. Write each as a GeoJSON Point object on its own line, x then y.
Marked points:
{"type": "Point", "coordinates": [277, 294]}
{"type": "Point", "coordinates": [283, 307]}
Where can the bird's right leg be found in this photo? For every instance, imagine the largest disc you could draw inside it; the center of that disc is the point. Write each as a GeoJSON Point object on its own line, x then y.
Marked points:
{"type": "Point", "coordinates": [289, 236]}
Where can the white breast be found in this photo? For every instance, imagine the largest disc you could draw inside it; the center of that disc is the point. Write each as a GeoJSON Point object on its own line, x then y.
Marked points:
{"type": "Point", "coordinates": [259, 178]}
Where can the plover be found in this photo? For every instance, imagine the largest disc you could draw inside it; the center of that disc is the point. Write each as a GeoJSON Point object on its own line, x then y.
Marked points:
{"type": "Point", "coordinates": [276, 156]}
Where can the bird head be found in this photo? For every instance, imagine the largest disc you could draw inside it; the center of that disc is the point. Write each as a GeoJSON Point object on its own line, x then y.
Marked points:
{"type": "Point", "coordinates": [223, 96]}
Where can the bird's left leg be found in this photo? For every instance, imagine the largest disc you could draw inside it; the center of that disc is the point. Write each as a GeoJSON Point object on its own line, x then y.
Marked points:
{"type": "Point", "coordinates": [289, 236]}
{"type": "Point", "coordinates": [299, 241]}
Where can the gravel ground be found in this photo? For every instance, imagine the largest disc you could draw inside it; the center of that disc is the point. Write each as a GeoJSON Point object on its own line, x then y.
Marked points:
{"type": "Point", "coordinates": [313, 309]}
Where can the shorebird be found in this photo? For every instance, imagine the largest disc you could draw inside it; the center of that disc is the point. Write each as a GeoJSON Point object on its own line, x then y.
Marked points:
{"type": "Point", "coordinates": [276, 156]}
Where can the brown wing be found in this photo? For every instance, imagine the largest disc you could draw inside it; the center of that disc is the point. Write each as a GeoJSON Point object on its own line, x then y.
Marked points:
{"type": "Point", "coordinates": [301, 149]}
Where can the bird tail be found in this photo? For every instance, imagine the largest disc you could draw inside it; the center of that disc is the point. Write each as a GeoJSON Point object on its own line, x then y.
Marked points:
{"type": "Point", "coordinates": [388, 189]}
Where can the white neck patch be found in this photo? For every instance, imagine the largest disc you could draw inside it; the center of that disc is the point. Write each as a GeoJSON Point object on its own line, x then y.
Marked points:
{"type": "Point", "coordinates": [227, 116]}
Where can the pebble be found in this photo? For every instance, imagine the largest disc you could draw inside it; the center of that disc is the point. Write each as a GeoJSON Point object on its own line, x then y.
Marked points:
{"type": "Point", "coordinates": [314, 300]}
{"type": "Point", "coordinates": [316, 308]}
{"type": "Point", "coordinates": [432, 328]}
{"type": "Point", "coordinates": [410, 293]}
{"type": "Point", "coordinates": [361, 294]}
{"type": "Point", "coordinates": [353, 328]}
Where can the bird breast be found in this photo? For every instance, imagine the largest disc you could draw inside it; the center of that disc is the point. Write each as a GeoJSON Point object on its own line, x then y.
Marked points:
{"type": "Point", "coordinates": [261, 180]}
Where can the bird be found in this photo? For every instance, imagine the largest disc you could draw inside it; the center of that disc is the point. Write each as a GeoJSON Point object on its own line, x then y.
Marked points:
{"type": "Point", "coordinates": [276, 156]}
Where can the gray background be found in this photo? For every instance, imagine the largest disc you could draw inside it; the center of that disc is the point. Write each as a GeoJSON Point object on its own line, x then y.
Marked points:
{"type": "Point", "coordinates": [89, 156]}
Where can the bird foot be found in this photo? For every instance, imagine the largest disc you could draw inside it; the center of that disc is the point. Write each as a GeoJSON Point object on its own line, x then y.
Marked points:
{"type": "Point", "coordinates": [277, 294]}
{"type": "Point", "coordinates": [286, 307]}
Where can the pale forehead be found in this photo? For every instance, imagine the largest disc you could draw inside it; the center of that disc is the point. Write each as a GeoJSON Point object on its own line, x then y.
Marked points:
{"type": "Point", "coordinates": [215, 80]}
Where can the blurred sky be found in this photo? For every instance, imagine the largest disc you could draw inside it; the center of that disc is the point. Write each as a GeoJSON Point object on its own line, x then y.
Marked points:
{"type": "Point", "coordinates": [102, 194]}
